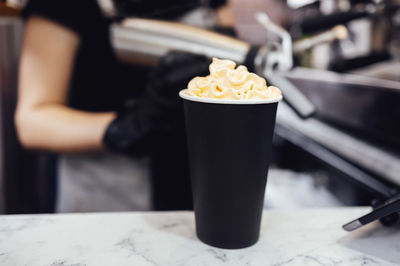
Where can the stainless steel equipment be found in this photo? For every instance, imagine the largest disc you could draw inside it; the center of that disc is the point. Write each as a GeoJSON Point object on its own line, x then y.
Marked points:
{"type": "Point", "coordinates": [373, 32]}
{"type": "Point", "coordinates": [144, 41]}
{"type": "Point", "coordinates": [365, 105]}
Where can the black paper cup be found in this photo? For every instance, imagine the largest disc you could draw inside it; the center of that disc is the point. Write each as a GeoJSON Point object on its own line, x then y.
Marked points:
{"type": "Point", "coordinates": [229, 144]}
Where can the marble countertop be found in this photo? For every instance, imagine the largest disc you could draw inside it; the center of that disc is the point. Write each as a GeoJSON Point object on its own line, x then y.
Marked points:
{"type": "Point", "coordinates": [288, 237]}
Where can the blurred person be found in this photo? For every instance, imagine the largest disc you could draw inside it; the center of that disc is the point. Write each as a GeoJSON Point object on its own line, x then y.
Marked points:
{"type": "Point", "coordinates": [77, 100]}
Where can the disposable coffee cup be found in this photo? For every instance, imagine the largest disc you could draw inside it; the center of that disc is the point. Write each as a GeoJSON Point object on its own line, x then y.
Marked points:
{"type": "Point", "coordinates": [229, 145]}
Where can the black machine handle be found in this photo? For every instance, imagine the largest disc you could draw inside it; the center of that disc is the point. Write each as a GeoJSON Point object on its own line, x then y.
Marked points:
{"type": "Point", "coordinates": [320, 23]}
{"type": "Point", "coordinates": [390, 208]}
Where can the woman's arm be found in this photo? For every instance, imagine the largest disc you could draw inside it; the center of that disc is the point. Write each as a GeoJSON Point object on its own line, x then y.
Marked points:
{"type": "Point", "coordinates": [42, 118]}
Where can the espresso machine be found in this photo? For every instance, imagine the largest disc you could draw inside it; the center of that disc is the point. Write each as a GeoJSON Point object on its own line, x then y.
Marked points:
{"type": "Point", "coordinates": [344, 122]}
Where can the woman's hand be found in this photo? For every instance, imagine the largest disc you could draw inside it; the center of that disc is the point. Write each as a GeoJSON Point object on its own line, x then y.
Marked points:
{"type": "Point", "coordinates": [139, 124]}
{"type": "Point", "coordinates": [171, 75]}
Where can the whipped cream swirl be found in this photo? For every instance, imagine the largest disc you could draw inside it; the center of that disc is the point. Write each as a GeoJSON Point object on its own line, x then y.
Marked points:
{"type": "Point", "coordinates": [228, 82]}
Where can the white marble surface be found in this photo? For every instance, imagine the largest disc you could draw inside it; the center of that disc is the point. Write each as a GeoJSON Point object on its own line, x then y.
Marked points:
{"type": "Point", "coordinates": [288, 237]}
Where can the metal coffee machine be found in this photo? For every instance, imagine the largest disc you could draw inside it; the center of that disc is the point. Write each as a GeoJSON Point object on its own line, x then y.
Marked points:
{"type": "Point", "coordinates": [343, 122]}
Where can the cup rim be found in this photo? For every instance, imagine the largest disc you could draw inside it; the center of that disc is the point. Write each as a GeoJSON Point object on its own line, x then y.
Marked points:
{"type": "Point", "coordinates": [227, 101]}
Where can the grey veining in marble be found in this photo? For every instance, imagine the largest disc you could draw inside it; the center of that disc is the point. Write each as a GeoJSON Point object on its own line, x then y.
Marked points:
{"type": "Point", "coordinates": [289, 237]}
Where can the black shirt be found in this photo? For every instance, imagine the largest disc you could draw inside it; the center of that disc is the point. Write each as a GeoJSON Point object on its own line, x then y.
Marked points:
{"type": "Point", "coordinates": [99, 82]}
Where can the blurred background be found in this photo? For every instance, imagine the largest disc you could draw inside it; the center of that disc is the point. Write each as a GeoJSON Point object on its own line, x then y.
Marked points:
{"type": "Point", "coordinates": [337, 62]}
